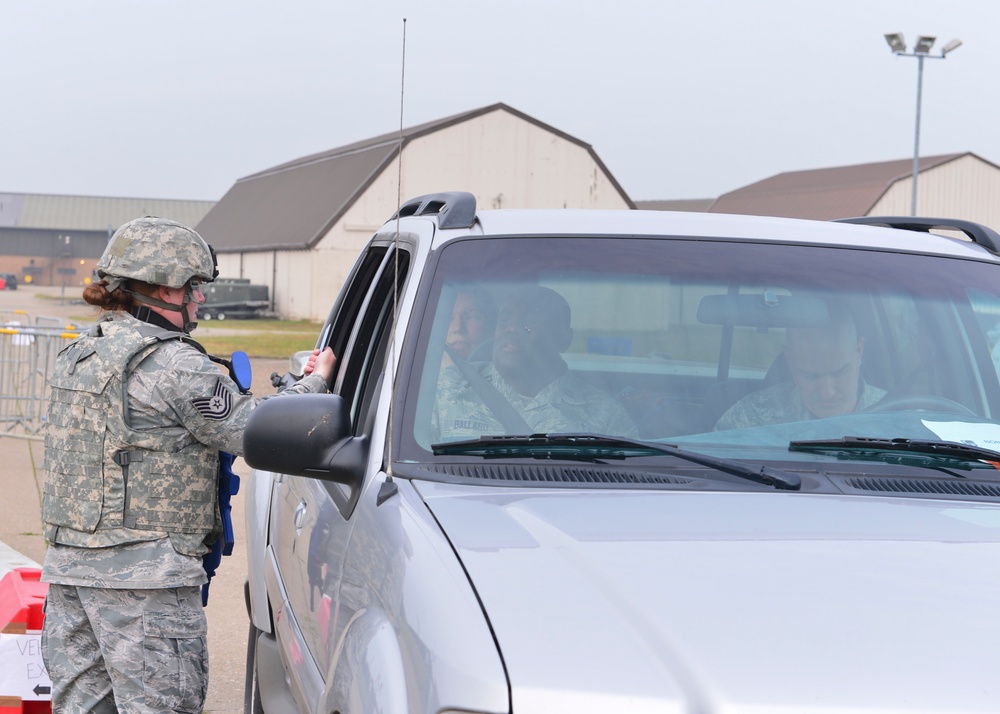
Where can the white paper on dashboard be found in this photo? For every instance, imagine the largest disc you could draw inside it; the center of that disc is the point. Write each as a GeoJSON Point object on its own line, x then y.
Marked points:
{"type": "Point", "coordinates": [986, 436]}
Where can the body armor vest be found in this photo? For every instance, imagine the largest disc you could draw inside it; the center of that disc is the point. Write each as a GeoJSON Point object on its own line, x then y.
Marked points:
{"type": "Point", "coordinates": [106, 483]}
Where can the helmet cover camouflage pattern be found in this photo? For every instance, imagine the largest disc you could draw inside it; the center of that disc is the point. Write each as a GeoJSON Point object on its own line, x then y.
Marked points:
{"type": "Point", "coordinates": [157, 251]}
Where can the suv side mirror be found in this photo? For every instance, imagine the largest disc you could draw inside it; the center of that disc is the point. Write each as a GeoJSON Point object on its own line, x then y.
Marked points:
{"type": "Point", "coordinates": [305, 435]}
{"type": "Point", "coordinates": [296, 369]}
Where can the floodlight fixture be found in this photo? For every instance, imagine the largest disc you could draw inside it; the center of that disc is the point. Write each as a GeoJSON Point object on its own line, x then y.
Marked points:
{"type": "Point", "coordinates": [921, 51]}
{"type": "Point", "coordinates": [896, 41]}
{"type": "Point", "coordinates": [953, 45]}
{"type": "Point", "coordinates": [924, 44]}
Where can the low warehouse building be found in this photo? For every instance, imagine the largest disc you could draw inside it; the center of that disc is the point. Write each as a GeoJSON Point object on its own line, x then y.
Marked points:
{"type": "Point", "coordinates": [298, 227]}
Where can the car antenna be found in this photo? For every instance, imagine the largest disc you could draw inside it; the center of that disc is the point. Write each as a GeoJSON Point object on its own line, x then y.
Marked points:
{"type": "Point", "coordinates": [389, 488]}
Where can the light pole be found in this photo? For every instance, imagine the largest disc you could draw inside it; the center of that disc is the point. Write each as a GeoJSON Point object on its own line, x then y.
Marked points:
{"type": "Point", "coordinates": [921, 51]}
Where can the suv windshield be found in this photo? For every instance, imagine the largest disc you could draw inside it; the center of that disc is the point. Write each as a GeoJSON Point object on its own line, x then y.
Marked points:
{"type": "Point", "coordinates": [732, 348]}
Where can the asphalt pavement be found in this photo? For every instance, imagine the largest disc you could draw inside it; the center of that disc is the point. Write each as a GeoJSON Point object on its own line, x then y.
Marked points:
{"type": "Point", "coordinates": [22, 544]}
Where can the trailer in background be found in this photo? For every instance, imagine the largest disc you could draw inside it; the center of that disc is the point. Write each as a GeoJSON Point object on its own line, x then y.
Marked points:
{"type": "Point", "coordinates": [234, 298]}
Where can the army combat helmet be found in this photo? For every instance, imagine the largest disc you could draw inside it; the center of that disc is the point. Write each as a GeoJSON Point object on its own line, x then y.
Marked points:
{"type": "Point", "coordinates": [158, 251]}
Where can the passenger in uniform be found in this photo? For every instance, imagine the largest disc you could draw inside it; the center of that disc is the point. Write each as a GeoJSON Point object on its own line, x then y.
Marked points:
{"type": "Point", "coordinates": [528, 374]}
{"type": "Point", "coordinates": [825, 367]}
{"type": "Point", "coordinates": [137, 417]}
{"type": "Point", "coordinates": [473, 321]}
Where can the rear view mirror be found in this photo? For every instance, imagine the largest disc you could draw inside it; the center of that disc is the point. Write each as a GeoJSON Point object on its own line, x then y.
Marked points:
{"type": "Point", "coordinates": [763, 310]}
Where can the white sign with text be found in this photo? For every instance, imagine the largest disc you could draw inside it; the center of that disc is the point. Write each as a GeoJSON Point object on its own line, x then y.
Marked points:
{"type": "Point", "coordinates": [22, 672]}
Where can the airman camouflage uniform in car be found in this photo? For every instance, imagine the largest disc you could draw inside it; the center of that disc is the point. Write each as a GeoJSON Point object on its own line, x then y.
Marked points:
{"type": "Point", "coordinates": [566, 405]}
{"type": "Point", "coordinates": [137, 416]}
{"type": "Point", "coordinates": [781, 404]}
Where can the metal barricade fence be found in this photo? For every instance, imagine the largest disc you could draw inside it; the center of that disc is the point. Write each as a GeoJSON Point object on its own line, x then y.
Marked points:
{"type": "Point", "coordinates": [28, 351]}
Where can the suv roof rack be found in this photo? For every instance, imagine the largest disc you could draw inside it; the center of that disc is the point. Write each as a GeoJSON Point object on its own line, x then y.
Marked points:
{"type": "Point", "coordinates": [979, 234]}
{"type": "Point", "coordinates": [454, 209]}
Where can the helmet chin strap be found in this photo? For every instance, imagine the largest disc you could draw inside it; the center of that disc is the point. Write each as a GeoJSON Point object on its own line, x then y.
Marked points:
{"type": "Point", "coordinates": [189, 324]}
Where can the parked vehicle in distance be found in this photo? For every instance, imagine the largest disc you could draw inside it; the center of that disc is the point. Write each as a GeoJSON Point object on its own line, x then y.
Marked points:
{"type": "Point", "coordinates": [8, 281]}
{"type": "Point", "coordinates": [575, 461]}
{"type": "Point", "coordinates": [233, 298]}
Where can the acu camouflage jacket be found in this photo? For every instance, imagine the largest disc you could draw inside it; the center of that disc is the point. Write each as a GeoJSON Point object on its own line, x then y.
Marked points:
{"type": "Point", "coordinates": [107, 483]}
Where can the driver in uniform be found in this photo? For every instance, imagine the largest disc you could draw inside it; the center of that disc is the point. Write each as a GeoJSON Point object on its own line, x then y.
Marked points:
{"type": "Point", "coordinates": [825, 365]}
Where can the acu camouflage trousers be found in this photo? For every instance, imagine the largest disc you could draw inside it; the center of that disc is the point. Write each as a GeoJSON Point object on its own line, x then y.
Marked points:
{"type": "Point", "coordinates": [135, 651]}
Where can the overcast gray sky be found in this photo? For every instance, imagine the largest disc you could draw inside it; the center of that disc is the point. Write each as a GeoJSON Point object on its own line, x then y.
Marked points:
{"type": "Point", "coordinates": [179, 98]}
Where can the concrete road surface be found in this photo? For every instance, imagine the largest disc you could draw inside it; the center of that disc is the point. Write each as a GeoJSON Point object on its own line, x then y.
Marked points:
{"type": "Point", "coordinates": [21, 542]}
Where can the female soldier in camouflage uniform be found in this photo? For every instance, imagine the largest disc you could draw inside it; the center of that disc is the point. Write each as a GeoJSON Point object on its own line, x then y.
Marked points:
{"type": "Point", "coordinates": [137, 416]}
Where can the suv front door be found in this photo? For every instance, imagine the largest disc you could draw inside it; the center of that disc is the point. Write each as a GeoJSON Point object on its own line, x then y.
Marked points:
{"type": "Point", "coordinates": [311, 521]}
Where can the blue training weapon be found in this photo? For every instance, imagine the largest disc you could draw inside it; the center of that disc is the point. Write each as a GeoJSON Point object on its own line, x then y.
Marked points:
{"type": "Point", "coordinates": [229, 482]}
{"type": "Point", "coordinates": [229, 485]}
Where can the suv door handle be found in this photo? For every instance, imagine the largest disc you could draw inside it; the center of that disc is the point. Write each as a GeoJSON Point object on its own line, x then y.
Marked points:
{"type": "Point", "coordinates": [300, 517]}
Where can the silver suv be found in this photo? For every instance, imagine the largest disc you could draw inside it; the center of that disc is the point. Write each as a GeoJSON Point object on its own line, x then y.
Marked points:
{"type": "Point", "coordinates": [589, 461]}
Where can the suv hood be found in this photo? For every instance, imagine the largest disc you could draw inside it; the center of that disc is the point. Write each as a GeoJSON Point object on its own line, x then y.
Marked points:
{"type": "Point", "coordinates": [738, 602]}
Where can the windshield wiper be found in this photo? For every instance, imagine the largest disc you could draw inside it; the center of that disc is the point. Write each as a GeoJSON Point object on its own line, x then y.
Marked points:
{"type": "Point", "coordinates": [592, 447]}
{"type": "Point", "coordinates": [863, 444]}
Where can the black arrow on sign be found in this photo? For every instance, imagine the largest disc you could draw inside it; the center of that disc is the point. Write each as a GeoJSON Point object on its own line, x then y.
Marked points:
{"type": "Point", "coordinates": [39, 689]}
